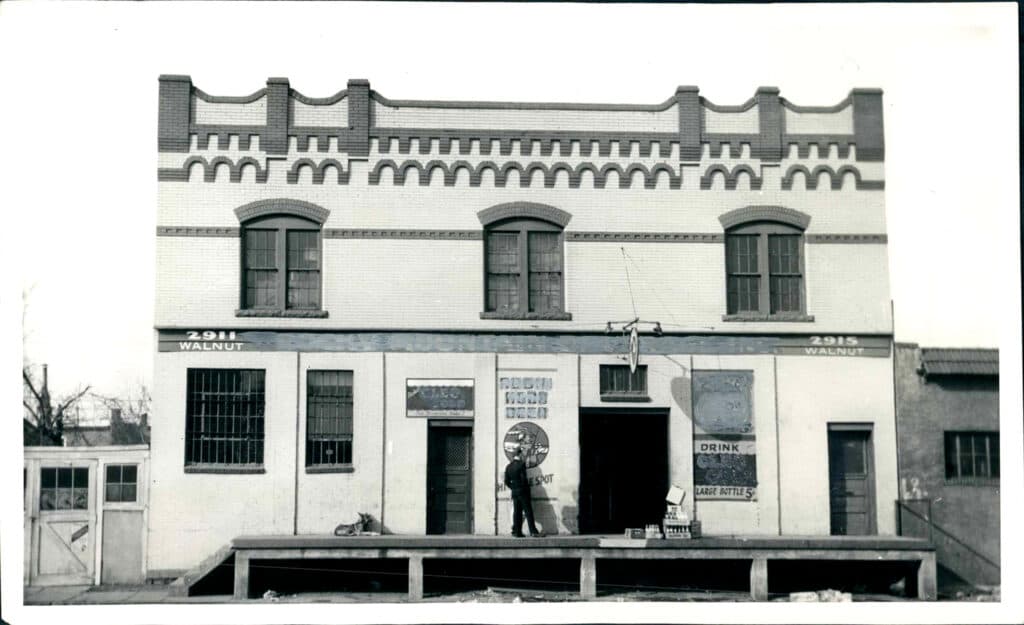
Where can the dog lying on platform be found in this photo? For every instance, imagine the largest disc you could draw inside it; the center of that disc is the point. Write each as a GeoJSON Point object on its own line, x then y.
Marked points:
{"type": "Point", "coordinates": [354, 529]}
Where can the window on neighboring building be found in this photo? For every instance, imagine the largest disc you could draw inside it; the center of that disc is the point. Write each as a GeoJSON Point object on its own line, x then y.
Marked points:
{"type": "Point", "coordinates": [524, 269]}
{"type": "Point", "coordinates": [280, 264]}
{"type": "Point", "coordinates": [329, 418]}
{"type": "Point", "coordinates": [972, 455]}
{"type": "Point", "coordinates": [64, 488]}
{"type": "Point", "coordinates": [224, 417]}
{"type": "Point", "coordinates": [122, 483]}
{"type": "Point", "coordinates": [618, 383]}
{"type": "Point", "coordinates": [764, 270]}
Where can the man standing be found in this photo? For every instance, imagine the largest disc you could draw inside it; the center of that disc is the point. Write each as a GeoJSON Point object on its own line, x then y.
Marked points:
{"type": "Point", "coordinates": [519, 485]}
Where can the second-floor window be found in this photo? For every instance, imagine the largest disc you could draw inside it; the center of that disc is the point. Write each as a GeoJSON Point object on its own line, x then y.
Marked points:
{"type": "Point", "coordinates": [280, 264]}
{"type": "Point", "coordinates": [764, 270]}
{"type": "Point", "coordinates": [524, 268]}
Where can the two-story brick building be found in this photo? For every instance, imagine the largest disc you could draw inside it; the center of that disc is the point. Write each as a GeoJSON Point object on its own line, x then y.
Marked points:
{"type": "Point", "coordinates": [364, 304]}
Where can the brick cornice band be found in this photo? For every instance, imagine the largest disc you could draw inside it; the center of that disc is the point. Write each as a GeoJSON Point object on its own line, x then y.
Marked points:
{"type": "Point", "coordinates": [477, 235]}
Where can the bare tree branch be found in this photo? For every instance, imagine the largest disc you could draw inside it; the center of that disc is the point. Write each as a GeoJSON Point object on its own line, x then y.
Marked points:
{"type": "Point", "coordinates": [71, 400]}
{"type": "Point", "coordinates": [28, 382]}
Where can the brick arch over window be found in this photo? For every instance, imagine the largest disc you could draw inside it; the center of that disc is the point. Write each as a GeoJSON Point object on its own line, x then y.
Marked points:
{"type": "Point", "coordinates": [778, 214]}
{"type": "Point", "coordinates": [282, 206]}
{"type": "Point", "coordinates": [524, 210]}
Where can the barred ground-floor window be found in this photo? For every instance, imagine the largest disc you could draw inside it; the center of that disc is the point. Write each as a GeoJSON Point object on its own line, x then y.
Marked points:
{"type": "Point", "coordinates": [224, 423]}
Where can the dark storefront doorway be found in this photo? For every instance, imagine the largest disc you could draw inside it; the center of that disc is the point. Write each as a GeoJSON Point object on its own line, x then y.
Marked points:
{"type": "Point", "coordinates": [623, 469]}
{"type": "Point", "coordinates": [851, 478]}
{"type": "Point", "coordinates": [449, 478]}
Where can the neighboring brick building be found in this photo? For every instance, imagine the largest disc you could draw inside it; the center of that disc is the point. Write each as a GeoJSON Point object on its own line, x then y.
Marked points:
{"type": "Point", "coordinates": [363, 304]}
{"type": "Point", "coordinates": [947, 416]}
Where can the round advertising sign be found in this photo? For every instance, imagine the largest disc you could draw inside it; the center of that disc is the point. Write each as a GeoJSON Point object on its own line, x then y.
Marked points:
{"type": "Point", "coordinates": [531, 439]}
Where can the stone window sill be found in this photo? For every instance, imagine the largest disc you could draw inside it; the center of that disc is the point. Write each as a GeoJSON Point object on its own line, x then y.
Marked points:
{"type": "Point", "coordinates": [331, 468]}
{"type": "Point", "coordinates": [527, 316]}
{"type": "Point", "coordinates": [620, 397]}
{"type": "Point", "coordinates": [788, 317]}
{"type": "Point", "coordinates": [243, 469]}
{"type": "Point", "coordinates": [298, 314]}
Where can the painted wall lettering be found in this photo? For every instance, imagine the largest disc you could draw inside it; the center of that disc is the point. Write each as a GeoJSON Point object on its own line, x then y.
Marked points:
{"type": "Point", "coordinates": [534, 480]}
{"type": "Point", "coordinates": [524, 397]}
{"type": "Point", "coordinates": [834, 345]}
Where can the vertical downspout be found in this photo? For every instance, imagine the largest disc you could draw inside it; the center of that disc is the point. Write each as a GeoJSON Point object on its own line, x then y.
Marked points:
{"type": "Point", "coordinates": [298, 443]}
{"type": "Point", "coordinates": [778, 443]}
{"type": "Point", "coordinates": [383, 433]}
{"type": "Point", "coordinates": [896, 420]}
{"type": "Point", "coordinates": [494, 447]}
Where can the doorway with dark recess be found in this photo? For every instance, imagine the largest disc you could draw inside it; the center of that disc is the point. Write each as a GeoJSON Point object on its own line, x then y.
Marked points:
{"type": "Point", "coordinates": [449, 477]}
{"type": "Point", "coordinates": [623, 468]}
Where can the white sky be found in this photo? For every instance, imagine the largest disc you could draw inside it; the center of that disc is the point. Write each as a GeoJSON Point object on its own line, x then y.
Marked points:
{"type": "Point", "coordinates": [79, 105]}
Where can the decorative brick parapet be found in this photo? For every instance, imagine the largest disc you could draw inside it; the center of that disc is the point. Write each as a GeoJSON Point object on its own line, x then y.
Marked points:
{"type": "Point", "coordinates": [175, 113]}
{"type": "Point", "coordinates": [867, 124]}
{"type": "Point", "coordinates": [768, 141]}
{"type": "Point", "coordinates": [769, 144]}
{"type": "Point", "coordinates": [274, 139]}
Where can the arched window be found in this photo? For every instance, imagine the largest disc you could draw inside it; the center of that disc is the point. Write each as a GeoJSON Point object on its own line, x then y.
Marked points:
{"type": "Point", "coordinates": [764, 263]}
{"type": "Point", "coordinates": [280, 264]}
{"type": "Point", "coordinates": [523, 262]}
{"type": "Point", "coordinates": [281, 258]}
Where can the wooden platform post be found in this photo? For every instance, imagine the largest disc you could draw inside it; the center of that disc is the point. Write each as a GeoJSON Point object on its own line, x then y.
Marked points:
{"type": "Point", "coordinates": [241, 575]}
{"type": "Point", "coordinates": [588, 577]}
{"type": "Point", "coordinates": [926, 578]}
{"type": "Point", "coordinates": [759, 579]}
{"type": "Point", "coordinates": [415, 578]}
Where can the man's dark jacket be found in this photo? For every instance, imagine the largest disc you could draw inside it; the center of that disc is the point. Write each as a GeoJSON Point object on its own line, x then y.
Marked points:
{"type": "Point", "coordinates": [515, 477]}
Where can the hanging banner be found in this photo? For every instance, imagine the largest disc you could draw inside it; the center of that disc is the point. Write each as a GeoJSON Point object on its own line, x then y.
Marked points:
{"type": "Point", "coordinates": [724, 444]}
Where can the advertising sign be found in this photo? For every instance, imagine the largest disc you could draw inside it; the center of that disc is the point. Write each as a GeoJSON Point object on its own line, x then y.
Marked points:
{"type": "Point", "coordinates": [724, 444]}
{"type": "Point", "coordinates": [525, 396]}
{"type": "Point", "coordinates": [438, 398]}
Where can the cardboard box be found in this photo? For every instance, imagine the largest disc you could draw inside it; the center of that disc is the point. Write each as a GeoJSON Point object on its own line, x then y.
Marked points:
{"type": "Point", "coordinates": [675, 495]}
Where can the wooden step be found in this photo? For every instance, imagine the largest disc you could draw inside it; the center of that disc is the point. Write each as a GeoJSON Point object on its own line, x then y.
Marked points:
{"type": "Point", "coordinates": [181, 586]}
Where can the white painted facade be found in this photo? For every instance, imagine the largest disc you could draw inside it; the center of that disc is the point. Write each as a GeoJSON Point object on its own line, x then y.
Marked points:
{"type": "Point", "coordinates": [413, 303]}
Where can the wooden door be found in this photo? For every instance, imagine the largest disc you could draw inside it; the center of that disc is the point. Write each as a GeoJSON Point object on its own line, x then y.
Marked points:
{"type": "Point", "coordinates": [64, 527]}
{"type": "Point", "coordinates": [851, 481]}
{"type": "Point", "coordinates": [449, 480]}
